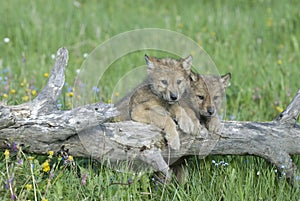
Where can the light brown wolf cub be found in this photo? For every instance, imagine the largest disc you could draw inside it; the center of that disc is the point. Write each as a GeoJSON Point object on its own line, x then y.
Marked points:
{"type": "Point", "coordinates": [156, 102]}
{"type": "Point", "coordinates": [208, 92]}
{"type": "Point", "coordinates": [205, 99]}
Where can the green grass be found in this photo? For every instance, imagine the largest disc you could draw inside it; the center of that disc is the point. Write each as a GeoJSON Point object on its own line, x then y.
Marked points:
{"type": "Point", "coordinates": [257, 41]}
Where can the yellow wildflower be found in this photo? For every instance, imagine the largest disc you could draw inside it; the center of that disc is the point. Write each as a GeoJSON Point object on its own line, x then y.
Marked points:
{"type": "Point", "coordinates": [25, 98]}
{"type": "Point", "coordinates": [30, 158]}
{"type": "Point", "coordinates": [279, 109]}
{"type": "Point", "coordinates": [44, 199]}
{"type": "Point", "coordinates": [5, 96]}
{"type": "Point", "coordinates": [279, 61]}
{"type": "Point", "coordinates": [51, 153]}
{"type": "Point", "coordinates": [33, 92]}
{"type": "Point", "coordinates": [117, 94]}
{"type": "Point", "coordinates": [28, 187]}
{"type": "Point", "coordinates": [70, 158]}
{"type": "Point", "coordinates": [68, 104]}
{"type": "Point", "coordinates": [6, 154]}
{"type": "Point", "coordinates": [70, 94]}
{"type": "Point", "coordinates": [180, 26]}
{"type": "Point", "coordinates": [269, 22]}
{"type": "Point", "coordinates": [46, 75]}
{"type": "Point", "coordinates": [46, 166]}
{"type": "Point", "coordinates": [12, 91]}
{"type": "Point", "coordinates": [109, 101]}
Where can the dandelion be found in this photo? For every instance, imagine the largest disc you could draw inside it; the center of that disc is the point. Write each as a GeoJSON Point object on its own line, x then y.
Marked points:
{"type": "Point", "coordinates": [51, 153]}
{"type": "Point", "coordinates": [70, 158]}
{"type": "Point", "coordinates": [269, 22]}
{"type": "Point", "coordinates": [279, 109]}
{"type": "Point", "coordinates": [44, 199]}
{"type": "Point", "coordinates": [25, 98]}
{"type": "Point", "coordinates": [28, 187]}
{"type": "Point", "coordinates": [30, 158]}
{"type": "Point", "coordinates": [12, 91]}
{"type": "Point", "coordinates": [33, 92]}
{"type": "Point", "coordinates": [46, 166]}
{"type": "Point", "coordinates": [70, 94]}
{"type": "Point", "coordinates": [46, 75]}
{"type": "Point", "coordinates": [6, 40]}
{"type": "Point", "coordinates": [180, 26]}
{"type": "Point", "coordinates": [68, 104]}
{"type": "Point", "coordinates": [5, 96]}
{"type": "Point", "coordinates": [6, 154]}
{"type": "Point", "coordinates": [279, 61]}
{"type": "Point", "coordinates": [117, 94]}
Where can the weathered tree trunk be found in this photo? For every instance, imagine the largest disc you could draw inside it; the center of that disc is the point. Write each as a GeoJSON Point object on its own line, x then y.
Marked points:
{"type": "Point", "coordinates": [87, 131]}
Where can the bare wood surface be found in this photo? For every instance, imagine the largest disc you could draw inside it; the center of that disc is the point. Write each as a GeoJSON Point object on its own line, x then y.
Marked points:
{"type": "Point", "coordinates": [87, 131]}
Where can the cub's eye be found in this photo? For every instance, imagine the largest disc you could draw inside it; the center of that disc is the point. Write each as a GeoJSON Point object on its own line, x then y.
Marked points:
{"type": "Point", "coordinates": [201, 97]}
{"type": "Point", "coordinates": [179, 81]}
{"type": "Point", "coordinates": [216, 97]}
{"type": "Point", "coordinates": [165, 82]}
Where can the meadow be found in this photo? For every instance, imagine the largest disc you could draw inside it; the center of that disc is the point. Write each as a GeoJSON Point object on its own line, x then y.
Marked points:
{"type": "Point", "coordinates": [256, 40]}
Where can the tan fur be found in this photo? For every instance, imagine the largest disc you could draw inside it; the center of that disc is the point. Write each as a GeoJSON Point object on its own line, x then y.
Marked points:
{"type": "Point", "coordinates": [208, 91]}
{"type": "Point", "coordinates": [205, 99]}
{"type": "Point", "coordinates": [156, 102]}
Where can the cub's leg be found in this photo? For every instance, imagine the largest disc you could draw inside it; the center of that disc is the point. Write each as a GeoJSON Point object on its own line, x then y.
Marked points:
{"type": "Point", "coordinates": [213, 124]}
{"type": "Point", "coordinates": [158, 116]}
{"type": "Point", "coordinates": [186, 118]}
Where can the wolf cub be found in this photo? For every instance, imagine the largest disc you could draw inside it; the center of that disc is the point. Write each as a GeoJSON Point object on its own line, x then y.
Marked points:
{"type": "Point", "coordinates": [208, 92]}
{"type": "Point", "coordinates": [156, 101]}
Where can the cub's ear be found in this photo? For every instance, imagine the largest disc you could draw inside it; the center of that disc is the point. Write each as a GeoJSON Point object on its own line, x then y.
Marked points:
{"type": "Point", "coordinates": [225, 79]}
{"type": "Point", "coordinates": [149, 62]}
{"type": "Point", "coordinates": [187, 63]}
{"type": "Point", "coordinates": [194, 77]}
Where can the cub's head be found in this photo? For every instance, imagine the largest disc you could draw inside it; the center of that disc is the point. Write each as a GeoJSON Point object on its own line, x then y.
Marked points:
{"type": "Point", "coordinates": [208, 92]}
{"type": "Point", "coordinates": [169, 78]}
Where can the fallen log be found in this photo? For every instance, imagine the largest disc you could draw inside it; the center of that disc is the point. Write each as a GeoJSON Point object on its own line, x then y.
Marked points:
{"type": "Point", "coordinates": [88, 132]}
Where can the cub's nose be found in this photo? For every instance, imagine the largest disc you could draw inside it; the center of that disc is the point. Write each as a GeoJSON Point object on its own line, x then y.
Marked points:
{"type": "Point", "coordinates": [173, 96]}
{"type": "Point", "coordinates": [210, 110]}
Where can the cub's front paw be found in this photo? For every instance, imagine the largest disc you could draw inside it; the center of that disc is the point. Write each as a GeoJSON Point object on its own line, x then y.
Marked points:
{"type": "Point", "coordinates": [174, 142]}
{"type": "Point", "coordinates": [200, 130]}
{"type": "Point", "coordinates": [186, 125]}
{"type": "Point", "coordinates": [213, 125]}
{"type": "Point", "coordinates": [172, 135]}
